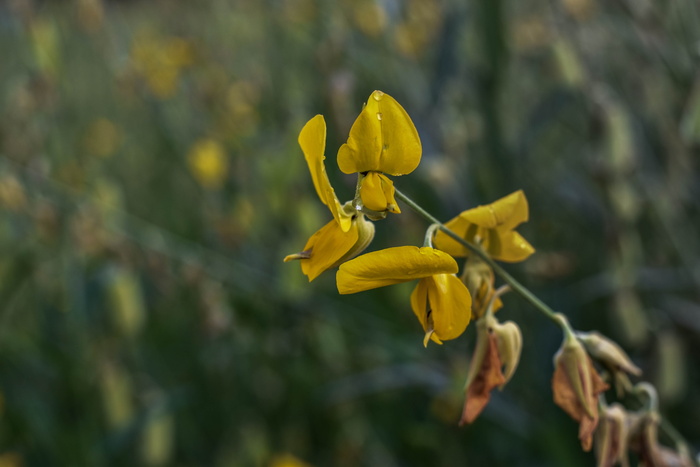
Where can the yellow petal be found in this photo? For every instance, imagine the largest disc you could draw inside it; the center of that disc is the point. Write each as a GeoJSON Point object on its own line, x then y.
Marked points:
{"type": "Point", "coordinates": [493, 223]}
{"type": "Point", "coordinates": [442, 304]}
{"type": "Point", "coordinates": [382, 139]}
{"type": "Point", "coordinates": [503, 214]}
{"type": "Point", "coordinates": [419, 304]}
{"type": "Point", "coordinates": [392, 266]}
{"type": "Point", "coordinates": [312, 140]}
{"type": "Point", "coordinates": [377, 193]}
{"type": "Point", "coordinates": [451, 305]}
{"type": "Point", "coordinates": [421, 308]}
{"type": "Point", "coordinates": [326, 248]}
{"type": "Point", "coordinates": [513, 248]}
{"type": "Point", "coordinates": [444, 242]}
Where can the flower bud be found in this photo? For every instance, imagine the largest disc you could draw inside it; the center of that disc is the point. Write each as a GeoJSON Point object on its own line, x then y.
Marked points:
{"type": "Point", "coordinates": [612, 436]}
{"type": "Point", "coordinates": [479, 279]}
{"type": "Point", "coordinates": [607, 352]}
{"type": "Point", "coordinates": [510, 344]}
{"type": "Point", "coordinates": [576, 386]}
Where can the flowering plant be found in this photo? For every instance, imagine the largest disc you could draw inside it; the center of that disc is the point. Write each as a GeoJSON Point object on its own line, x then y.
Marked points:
{"type": "Point", "coordinates": [384, 141]}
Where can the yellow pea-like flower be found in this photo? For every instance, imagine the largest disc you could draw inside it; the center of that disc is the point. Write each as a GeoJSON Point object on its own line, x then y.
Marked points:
{"type": "Point", "coordinates": [492, 227]}
{"type": "Point", "coordinates": [383, 140]}
{"type": "Point", "coordinates": [349, 232]}
{"type": "Point", "coordinates": [440, 301]}
{"type": "Point", "coordinates": [442, 304]}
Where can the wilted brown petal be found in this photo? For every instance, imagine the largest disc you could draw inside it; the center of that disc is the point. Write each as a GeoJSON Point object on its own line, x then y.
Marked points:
{"type": "Point", "coordinates": [489, 376]}
{"type": "Point", "coordinates": [573, 362]}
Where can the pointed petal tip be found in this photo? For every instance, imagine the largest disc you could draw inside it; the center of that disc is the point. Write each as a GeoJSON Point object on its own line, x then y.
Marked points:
{"type": "Point", "coordinates": [295, 256]}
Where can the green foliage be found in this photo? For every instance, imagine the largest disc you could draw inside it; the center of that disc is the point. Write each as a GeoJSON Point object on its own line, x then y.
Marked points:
{"type": "Point", "coordinates": [151, 183]}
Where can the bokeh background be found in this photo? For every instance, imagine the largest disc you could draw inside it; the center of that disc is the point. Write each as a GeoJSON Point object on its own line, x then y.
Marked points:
{"type": "Point", "coordinates": [151, 183]}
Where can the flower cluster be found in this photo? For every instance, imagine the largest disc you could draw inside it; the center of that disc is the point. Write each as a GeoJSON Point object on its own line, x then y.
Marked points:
{"type": "Point", "coordinates": [383, 141]}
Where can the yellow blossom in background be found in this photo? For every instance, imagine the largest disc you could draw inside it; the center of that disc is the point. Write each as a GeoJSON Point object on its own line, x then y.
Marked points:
{"type": "Point", "coordinates": [127, 302]}
{"type": "Point", "coordinates": [12, 193]}
{"type": "Point", "coordinates": [440, 301]}
{"type": "Point", "coordinates": [102, 138]}
{"type": "Point", "coordinates": [45, 45]}
{"type": "Point", "coordinates": [11, 459]}
{"type": "Point", "coordinates": [116, 387]}
{"type": "Point", "coordinates": [160, 61]}
{"type": "Point", "coordinates": [491, 226]}
{"type": "Point", "coordinates": [158, 437]}
{"type": "Point", "coordinates": [287, 460]}
{"type": "Point", "coordinates": [242, 98]}
{"type": "Point", "coordinates": [369, 16]}
{"type": "Point", "coordinates": [382, 140]}
{"type": "Point", "coordinates": [413, 35]}
{"type": "Point", "coordinates": [349, 232]}
{"type": "Point", "coordinates": [208, 163]}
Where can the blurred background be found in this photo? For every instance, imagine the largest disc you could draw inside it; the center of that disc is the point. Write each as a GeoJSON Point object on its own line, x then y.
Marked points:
{"type": "Point", "coordinates": [151, 183]}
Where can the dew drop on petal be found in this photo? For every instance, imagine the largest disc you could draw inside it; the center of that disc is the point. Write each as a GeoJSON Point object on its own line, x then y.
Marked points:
{"type": "Point", "coordinates": [377, 95]}
{"type": "Point", "coordinates": [379, 115]}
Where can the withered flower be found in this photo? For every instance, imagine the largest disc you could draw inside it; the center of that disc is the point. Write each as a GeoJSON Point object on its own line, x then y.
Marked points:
{"type": "Point", "coordinates": [644, 436]}
{"type": "Point", "coordinates": [576, 385]}
{"type": "Point", "coordinates": [612, 436]}
{"type": "Point", "coordinates": [497, 346]}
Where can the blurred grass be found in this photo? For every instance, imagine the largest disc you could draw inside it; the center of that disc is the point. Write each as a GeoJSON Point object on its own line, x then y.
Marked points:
{"type": "Point", "coordinates": [150, 183]}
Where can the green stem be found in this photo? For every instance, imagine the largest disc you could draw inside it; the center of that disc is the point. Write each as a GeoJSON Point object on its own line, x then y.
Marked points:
{"type": "Point", "coordinates": [502, 273]}
{"type": "Point", "coordinates": [429, 234]}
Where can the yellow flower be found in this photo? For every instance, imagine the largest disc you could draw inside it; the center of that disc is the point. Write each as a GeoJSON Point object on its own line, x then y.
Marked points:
{"type": "Point", "coordinates": [440, 301]}
{"type": "Point", "coordinates": [349, 232]}
{"type": "Point", "coordinates": [382, 140]}
{"type": "Point", "coordinates": [161, 61]}
{"type": "Point", "coordinates": [208, 163]}
{"type": "Point", "coordinates": [491, 226]}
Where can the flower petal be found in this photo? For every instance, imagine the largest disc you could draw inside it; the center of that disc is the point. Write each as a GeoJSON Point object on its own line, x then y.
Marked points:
{"type": "Point", "coordinates": [449, 245]}
{"type": "Point", "coordinates": [327, 247]}
{"type": "Point", "coordinates": [489, 376]}
{"type": "Point", "coordinates": [312, 140]}
{"type": "Point", "coordinates": [419, 304]}
{"type": "Point", "coordinates": [382, 139]}
{"type": "Point", "coordinates": [494, 224]}
{"type": "Point", "coordinates": [392, 266]}
{"type": "Point", "coordinates": [513, 248]}
{"type": "Point", "coordinates": [377, 193]}
{"type": "Point", "coordinates": [451, 305]}
{"type": "Point", "coordinates": [503, 214]}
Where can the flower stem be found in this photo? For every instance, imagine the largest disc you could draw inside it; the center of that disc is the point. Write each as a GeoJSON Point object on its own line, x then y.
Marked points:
{"type": "Point", "coordinates": [502, 273]}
